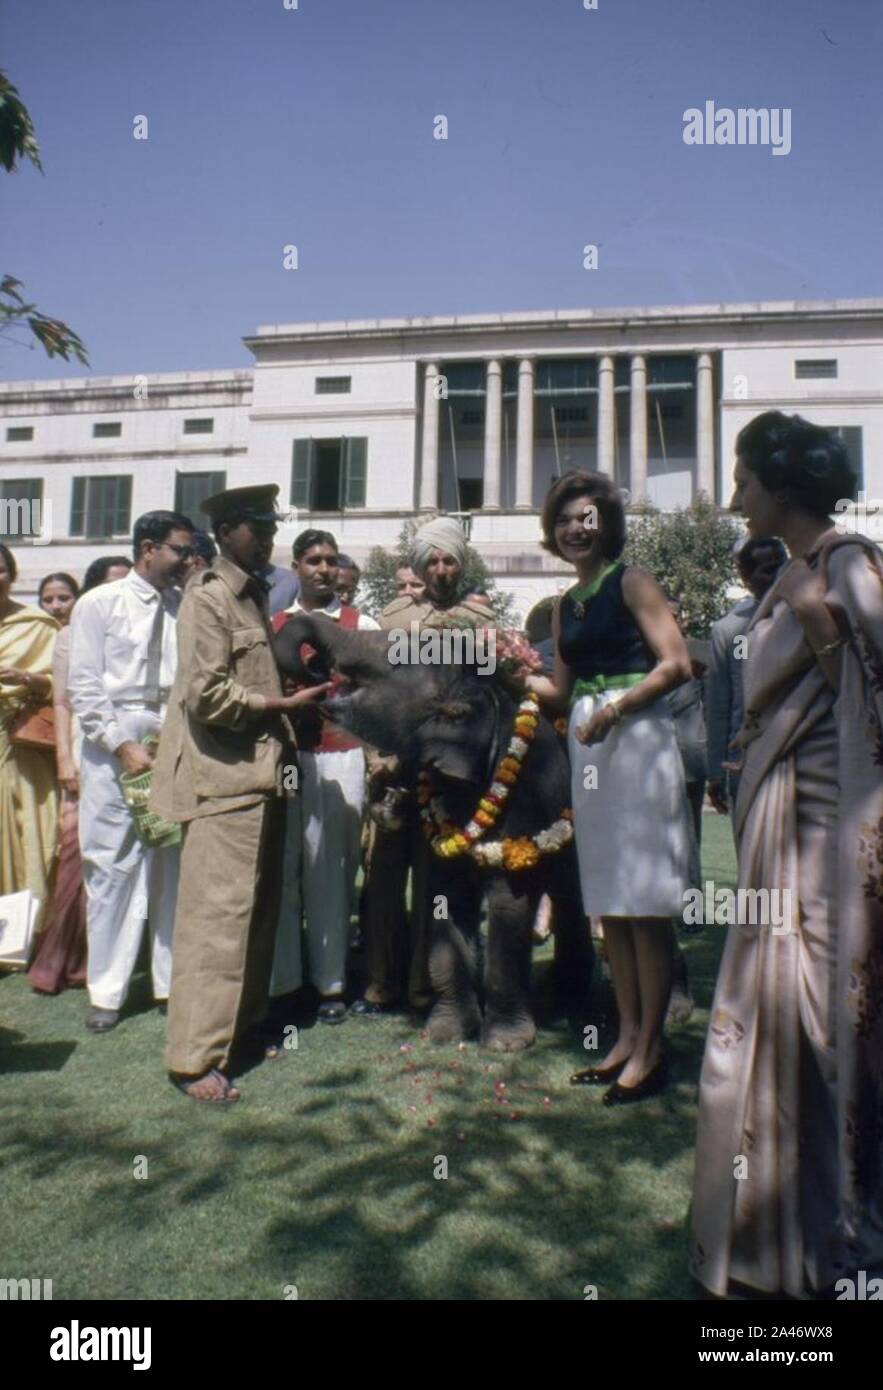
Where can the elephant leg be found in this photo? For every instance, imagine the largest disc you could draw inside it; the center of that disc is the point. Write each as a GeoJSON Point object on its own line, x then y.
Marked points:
{"type": "Point", "coordinates": [508, 1021]}
{"type": "Point", "coordinates": [574, 953]}
{"type": "Point", "coordinates": [453, 956]}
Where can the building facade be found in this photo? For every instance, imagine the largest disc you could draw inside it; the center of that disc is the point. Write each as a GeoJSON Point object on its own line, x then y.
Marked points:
{"type": "Point", "coordinates": [365, 424]}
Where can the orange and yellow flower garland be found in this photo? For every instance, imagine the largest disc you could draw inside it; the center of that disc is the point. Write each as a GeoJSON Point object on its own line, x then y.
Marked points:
{"type": "Point", "coordinates": [448, 841]}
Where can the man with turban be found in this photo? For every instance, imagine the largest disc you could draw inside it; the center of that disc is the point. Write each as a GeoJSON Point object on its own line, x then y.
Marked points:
{"type": "Point", "coordinates": [397, 941]}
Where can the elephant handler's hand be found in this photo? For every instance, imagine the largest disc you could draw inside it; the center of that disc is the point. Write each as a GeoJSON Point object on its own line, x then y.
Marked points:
{"type": "Point", "coordinates": [134, 758]}
{"type": "Point", "coordinates": [290, 704]}
{"type": "Point", "coordinates": [598, 727]}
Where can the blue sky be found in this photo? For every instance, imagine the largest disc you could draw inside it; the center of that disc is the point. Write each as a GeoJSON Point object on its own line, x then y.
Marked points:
{"type": "Point", "coordinates": [314, 127]}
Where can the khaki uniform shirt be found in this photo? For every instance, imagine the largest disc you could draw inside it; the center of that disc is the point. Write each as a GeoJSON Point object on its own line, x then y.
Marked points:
{"type": "Point", "coordinates": [404, 611]}
{"type": "Point", "coordinates": [219, 750]}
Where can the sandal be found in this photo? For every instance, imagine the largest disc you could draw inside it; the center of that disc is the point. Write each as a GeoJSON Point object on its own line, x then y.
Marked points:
{"type": "Point", "coordinates": [224, 1092]}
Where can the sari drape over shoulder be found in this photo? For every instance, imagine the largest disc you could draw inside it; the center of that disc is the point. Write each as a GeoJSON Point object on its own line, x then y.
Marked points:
{"type": "Point", "coordinates": [28, 788]}
{"type": "Point", "coordinates": [788, 1188]}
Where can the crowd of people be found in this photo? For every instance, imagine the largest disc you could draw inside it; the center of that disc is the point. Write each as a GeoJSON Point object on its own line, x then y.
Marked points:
{"type": "Point", "coordinates": [177, 746]}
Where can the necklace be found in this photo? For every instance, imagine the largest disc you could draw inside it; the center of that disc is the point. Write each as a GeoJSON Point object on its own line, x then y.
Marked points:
{"type": "Point", "coordinates": [450, 841]}
{"type": "Point", "coordinates": [581, 594]}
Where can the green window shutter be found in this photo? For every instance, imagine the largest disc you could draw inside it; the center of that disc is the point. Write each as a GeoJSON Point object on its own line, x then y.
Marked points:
{"type": "Point", "coordinates": [78, 507]}
{"type": "Point", "coordinates": [355, 472]}
{"type": "Point", "coordinates": [123, 511]}
{"type": "Point", "coordinates": [302, 468]}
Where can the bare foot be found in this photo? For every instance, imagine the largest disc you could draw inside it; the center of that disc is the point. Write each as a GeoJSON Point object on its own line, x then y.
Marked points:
{"type": "Point", "coordinates": [212, 1087]}
{"type": "Point", "coordinates": [639, 1066]}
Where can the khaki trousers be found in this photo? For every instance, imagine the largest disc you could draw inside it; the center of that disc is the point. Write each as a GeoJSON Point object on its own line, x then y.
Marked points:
{"type": "Point", "coordinates": [228, 903]}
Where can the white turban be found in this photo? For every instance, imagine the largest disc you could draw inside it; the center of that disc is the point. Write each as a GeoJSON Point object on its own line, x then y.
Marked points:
{"type": "Point", "coordinates": [444, 534]}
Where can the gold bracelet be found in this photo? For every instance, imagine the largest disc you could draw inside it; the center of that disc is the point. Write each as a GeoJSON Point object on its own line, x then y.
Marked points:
{"type": "Point", "coordinates": [830, 648]}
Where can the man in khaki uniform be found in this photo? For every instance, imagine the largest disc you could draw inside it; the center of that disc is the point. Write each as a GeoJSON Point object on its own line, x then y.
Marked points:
{"type": "Point", "coordinates": [397, 942]}
{"type": "Point", "coordinates": [225, 761]}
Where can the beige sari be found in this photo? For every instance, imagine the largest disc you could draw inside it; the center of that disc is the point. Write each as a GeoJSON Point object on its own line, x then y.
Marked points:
{"type": "Point", "coordinates": [788, 1187]}
{"type": "Point", "coordinates": [28, 786]}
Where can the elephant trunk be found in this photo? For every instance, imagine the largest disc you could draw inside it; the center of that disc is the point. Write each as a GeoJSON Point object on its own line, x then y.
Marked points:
{"type": "Point", "coordinates": [352, 654]}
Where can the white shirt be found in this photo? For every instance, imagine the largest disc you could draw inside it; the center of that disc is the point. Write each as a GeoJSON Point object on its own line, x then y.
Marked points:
{"type": "Point", "coordinates": [110, 634]}
{"type": "Point", "coordinates": [364, 624]}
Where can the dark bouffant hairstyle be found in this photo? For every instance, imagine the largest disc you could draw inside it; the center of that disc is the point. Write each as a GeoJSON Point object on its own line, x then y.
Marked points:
{"type": "Point", "coordinates": [307, 539]}
{"type": "Point", "coordinates": [98, 570]}
{"type": "Point", "coordinates": [606, 497]}
{"type": "Point", "coordinates": [156, 526]}
{"type": "Point", "coordinates": [62, 578]}
{"type": "Point", "coordinates": [204, 546]}
{"type": "Point", "coordinates": [789, 454]}
{"type": "Point", "coordinates": [9, 562]}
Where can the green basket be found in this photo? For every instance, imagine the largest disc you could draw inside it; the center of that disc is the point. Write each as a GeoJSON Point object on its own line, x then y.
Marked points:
{"type": "Point", "coordinates": [150, 828]}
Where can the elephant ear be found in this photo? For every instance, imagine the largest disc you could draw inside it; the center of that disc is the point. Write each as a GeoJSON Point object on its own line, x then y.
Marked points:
{"type": "Point", "coordinates": [461, 737]}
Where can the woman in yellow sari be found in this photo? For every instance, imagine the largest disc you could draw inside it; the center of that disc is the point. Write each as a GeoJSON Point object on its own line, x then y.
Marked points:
{"type": "Point", "coordinates": [28, 788]}
{"type": "Point", "coordinates": [788, 1190]}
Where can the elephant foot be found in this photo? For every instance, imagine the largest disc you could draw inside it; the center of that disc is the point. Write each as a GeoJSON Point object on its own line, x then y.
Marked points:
{"type": "Point", "coordinates": [453, 1022]}
{"type": "Point", "coordinates": [511, 1034]}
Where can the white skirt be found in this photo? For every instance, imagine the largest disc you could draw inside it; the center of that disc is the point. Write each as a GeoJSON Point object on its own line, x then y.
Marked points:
{"type": "Point", "coordinates": [630, 813]}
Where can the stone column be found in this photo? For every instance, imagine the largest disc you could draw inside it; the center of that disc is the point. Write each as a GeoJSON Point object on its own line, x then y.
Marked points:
{"type": "Point", "coordinates": [606, 417]}
{"type": "Point", "coordinates": [493, 434]}
{"type": "Point", "coordinates": [524, 442]}
{"type": "Point", "coordinates": [705, 480]}
{"type": "Point", "coordinates": [638, 428]}
{"type": "Point", "coordinates": [429, 457]}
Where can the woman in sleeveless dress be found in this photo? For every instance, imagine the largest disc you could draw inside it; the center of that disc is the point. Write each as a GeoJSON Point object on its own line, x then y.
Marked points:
{"type": "Point", "coordinates": [618, 652]}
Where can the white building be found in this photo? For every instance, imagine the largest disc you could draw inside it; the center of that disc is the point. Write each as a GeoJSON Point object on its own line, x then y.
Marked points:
{"type": "Point", "coordinates": [365, 423]}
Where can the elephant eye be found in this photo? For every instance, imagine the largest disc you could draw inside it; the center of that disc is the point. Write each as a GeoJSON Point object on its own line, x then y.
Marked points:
{"type": "Point", "coordinates": [454, 709]}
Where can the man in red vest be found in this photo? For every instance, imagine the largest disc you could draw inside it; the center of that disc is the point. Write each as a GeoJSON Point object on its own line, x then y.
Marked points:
{"type": "Point", "coordinates": [323, 827]}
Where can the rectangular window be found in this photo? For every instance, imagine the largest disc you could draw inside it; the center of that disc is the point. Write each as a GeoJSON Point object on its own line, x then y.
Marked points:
{"type": "Point", "coordinates": [101, 508]}
{"type": "Point", "coordinates": [333, 385]}
{"type": "Point", "coordinates": [19, 434]}
{"type": "Point", "coordinates": [107, 429]}
{"type": "Point", "coordinates": [470, 494]}
{"type": "Point", "coordinates": [191, 490]}
{"type": "Point", "coordinates": [808, 368]}
{"type": "Point", "coordinates": [21, 508]}
{"type": "Point", "coordinates": [472, 417]}
{"type": "Point", "coordinates": [329, 475]}
{"type": "Point", "coordinates": [574, 377]}
{"type": "Point", "coordinates": [199, 426]}
{"type": "Point", "coordinates": [852, 439]}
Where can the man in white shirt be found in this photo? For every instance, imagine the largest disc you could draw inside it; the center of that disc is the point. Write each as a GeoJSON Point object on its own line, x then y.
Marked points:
{"type": "Point", "coordinates": [123, 660]}
{"type": "Point", "coordinates": [324, 822]}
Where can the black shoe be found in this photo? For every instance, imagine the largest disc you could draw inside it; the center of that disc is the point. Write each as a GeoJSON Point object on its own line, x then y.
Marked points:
{"type": "Point", "coordinates": [332, 1011]}
{"type": "Point", "coordinates": [366, 1008]}
{"type": "Point", "coordinates": [102, 1020]}
{"type": "Point", "coordinates": [596, 1076]}
{"type": "Point", "coordinates": [654, 1082]}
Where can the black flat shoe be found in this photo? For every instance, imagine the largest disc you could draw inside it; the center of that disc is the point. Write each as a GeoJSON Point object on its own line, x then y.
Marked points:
{"type": "Point", "coordinates": [596, 1076]}
{"type": "Point", "coordinates": [102, 1020]}
{"type": "Point", "coordinates": [365, 1008]}
{"type": "Point", "coordinates": [332, 1011]}
{"type": "Point", "coordinates": [654, 1082]}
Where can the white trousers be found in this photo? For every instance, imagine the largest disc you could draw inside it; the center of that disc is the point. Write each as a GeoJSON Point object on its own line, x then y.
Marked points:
{"type": "Point", "coordinates": [126, 882]}
{"type": "Point", "coordinates": [322, 849]}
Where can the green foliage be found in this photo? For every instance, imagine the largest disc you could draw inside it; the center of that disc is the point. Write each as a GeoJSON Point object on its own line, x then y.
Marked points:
{"type": "Point", "coordinates": [690, 553]}
{"type": "Point", "coordinates": [18, 141]}
{"type": "Point", "coordinates": [377, 586]}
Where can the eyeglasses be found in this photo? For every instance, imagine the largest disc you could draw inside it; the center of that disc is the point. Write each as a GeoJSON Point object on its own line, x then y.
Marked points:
{"type": "Point", "coordinates": [183, 552]}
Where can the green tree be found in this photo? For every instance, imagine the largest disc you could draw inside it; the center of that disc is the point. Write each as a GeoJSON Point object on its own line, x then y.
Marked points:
{"type": "Point", "coordinates": [377, 586]}
{"type": "Point", "coordinates": [18, 141]}
{"type": "Point", "coordinates": [690, 553]}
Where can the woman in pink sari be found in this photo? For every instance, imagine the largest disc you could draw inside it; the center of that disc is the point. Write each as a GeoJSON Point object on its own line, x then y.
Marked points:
{"type": "Point", "coordinates": [788, 1188]}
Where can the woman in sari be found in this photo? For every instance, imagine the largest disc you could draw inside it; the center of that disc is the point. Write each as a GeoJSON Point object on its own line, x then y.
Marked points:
{"type": "Point", "coordinates": [28, 795]}
{"type": "Point", "coordinates": [788, 1188]}
{"type": "Point", "coordinates": [59, 961]}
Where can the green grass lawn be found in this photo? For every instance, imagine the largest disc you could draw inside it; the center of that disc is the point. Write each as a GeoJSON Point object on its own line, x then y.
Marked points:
{"type": "Point", "coordinates": [322, 1176]}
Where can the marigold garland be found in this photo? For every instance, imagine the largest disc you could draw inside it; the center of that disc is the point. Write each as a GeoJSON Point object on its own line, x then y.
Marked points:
{"type": "Point", "coordinates": [449, 841]}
